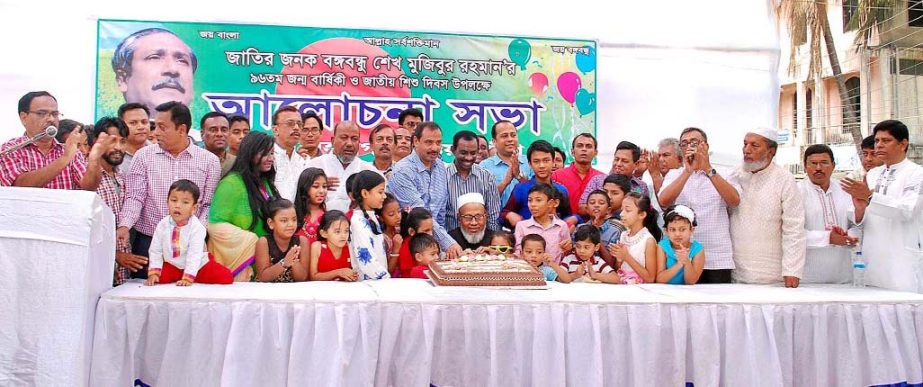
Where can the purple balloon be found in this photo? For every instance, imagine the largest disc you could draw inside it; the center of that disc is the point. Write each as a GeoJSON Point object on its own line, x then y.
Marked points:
{"type": "Point", "coordinates": [568, 84]}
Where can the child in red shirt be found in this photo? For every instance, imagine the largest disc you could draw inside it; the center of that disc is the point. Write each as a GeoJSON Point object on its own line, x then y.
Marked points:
{"type": "Point", "coordinates": [424, 249]}
{"type": "Point", "coordinates": [417, 221]}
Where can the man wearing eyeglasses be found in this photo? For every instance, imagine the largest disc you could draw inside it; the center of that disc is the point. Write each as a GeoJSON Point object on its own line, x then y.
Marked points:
{"type": "Point", "coordinates": [381, 140]}
{"type": "Point", "coordinates": [831, 219]}
{"type": "Point", "coordinates": [341, 163]}
{"type": "Point", "coordinates": [701, 187]}
{"type": "Point", "coordinates": [472, 231]}
{"type": "Point", "coordinates": [286, 129]}
{"type": "Point", "coordinates": [48, 163]}
{"type": "Point", "coordinates": [311, 133]}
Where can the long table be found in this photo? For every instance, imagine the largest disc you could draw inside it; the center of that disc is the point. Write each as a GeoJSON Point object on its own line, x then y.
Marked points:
{"type": "Point", "coordinates": [407, 332]}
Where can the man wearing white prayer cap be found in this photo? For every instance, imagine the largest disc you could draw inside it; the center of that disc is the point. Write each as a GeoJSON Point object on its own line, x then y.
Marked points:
{"type": "Point", "coordinates": [767, 227]}
{"type": "Point", "coordinates": [472, 231]}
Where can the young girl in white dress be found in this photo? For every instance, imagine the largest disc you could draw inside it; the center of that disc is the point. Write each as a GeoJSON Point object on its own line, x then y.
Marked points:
{"type": "Point", "coordinates": [636, 252]}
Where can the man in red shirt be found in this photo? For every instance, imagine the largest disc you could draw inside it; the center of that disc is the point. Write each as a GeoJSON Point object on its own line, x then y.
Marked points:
{"type": "Point", "coordinates": [577, 175]}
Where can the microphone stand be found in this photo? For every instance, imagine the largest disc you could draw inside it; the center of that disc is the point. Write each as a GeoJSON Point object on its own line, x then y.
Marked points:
{"type": "Point", "coordinates": [50, 131]}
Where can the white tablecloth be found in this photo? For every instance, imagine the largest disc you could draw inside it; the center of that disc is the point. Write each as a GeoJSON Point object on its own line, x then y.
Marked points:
{"type": "Point", "coordinates": [406, 332]}
{"type": "Point", "coordinates": [57, 251]}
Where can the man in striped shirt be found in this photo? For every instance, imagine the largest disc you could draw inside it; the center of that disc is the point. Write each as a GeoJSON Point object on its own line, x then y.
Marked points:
{"type": "Point", "coordinates": [465, 177]}
{"type": "Point", "coordinates": [48, 163]}
{"type": "Point", "coordinates": [155, 168]}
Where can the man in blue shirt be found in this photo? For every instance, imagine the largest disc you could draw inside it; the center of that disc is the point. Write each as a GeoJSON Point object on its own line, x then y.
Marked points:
{"type": "Point", "coordinates": [421, 180]}
{"type": "Point", "coordinates": [508, 166]}
{"type": "Point", "coordinates": [541, 160]}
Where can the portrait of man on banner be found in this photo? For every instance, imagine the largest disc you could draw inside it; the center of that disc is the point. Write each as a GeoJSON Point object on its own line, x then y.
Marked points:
{"type": "Point", "coordinates": [153, 66]}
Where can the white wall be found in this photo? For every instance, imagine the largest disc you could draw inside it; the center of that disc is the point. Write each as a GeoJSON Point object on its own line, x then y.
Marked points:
{"type": "Point", "coordinates": [663, 65]}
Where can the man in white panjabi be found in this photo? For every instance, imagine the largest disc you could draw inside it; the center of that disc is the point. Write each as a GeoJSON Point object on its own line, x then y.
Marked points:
{"type": "Point", "coordinates": [767, 227]}
{"type": "Point", "coordinates": [286, 130]}
{"type": "Point", "coordinates": [832, 218]}
{"type": "Point", "coordinates": [342, 163]}
{"type": "Point", "coordinates": [891, 242]}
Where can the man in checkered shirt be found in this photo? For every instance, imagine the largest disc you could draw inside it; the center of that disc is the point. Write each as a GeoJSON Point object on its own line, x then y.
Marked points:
{"type": "Point", "coordinates": [155, 168]}
{"type": "Point", "coordinates": [48, 163]}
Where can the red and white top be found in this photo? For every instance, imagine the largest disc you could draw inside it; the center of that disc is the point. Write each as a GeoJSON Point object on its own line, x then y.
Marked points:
{"type": "Point", "coordinates": [29, 158]}
{"type": "Point", "coordinates": [183, 246]}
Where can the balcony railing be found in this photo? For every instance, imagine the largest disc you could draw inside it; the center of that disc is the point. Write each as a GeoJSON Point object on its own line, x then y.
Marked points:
{"type": "Point", "coordinates": [837, 134]}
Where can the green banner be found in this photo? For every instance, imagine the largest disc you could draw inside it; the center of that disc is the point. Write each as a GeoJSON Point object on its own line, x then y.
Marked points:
{"type": "Point", "coordinates": [546, 87]}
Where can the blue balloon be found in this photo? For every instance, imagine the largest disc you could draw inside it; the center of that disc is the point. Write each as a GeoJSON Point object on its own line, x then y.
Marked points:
{"type": "Point", "coordinates": [585, 101]}
{"type": "Point", "coordinates": [520, 51]}
{"type": "Point", "coordinates": [586, 62]}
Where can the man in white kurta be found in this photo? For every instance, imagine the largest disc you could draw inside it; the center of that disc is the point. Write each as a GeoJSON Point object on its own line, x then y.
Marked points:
{"type": "Point", "coordinates": [830, 217]}
{"type": "Point", "coordinates": [342, 163]}
{"type": "Point", "coordinates": [286, 129]}
{"type": "Point", "coordinates": [767, 227]}
{"type": "Point", "coordinates": [891, 229]}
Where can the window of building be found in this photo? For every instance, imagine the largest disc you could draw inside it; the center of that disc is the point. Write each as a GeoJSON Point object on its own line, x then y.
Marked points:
{"type": "Point", "coordinates": [808, 109]}
{"type": "Point", "coordinates": [854, 100]}
{"type": "Point", "coordinates": [915, 13]}
{"type": "Point", "coordinates": [850, 7]}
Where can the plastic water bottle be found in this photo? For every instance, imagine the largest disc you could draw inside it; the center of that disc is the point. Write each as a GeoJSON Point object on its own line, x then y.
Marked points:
{"type": "Point", "coordinates": [858, 269]}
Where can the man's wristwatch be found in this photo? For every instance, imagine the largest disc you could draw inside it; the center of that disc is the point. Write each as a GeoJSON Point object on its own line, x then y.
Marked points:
{"type": "Point", "coordinates": [711, 173]}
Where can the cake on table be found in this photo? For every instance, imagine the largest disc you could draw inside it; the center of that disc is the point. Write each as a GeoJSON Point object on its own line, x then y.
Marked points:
{"type": "Point", "coordinates": [485, 270]}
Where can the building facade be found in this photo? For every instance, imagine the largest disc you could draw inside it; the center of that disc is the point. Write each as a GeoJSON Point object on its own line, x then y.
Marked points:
{"type": "Point", "coordinates": [884, 80]}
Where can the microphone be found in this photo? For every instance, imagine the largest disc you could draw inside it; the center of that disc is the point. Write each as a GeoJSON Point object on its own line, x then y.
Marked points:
{"type": "Point", "coordinates": [50, 131]}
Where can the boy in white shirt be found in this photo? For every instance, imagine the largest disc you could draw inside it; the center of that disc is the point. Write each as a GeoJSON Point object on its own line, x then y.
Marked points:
{"type": "Point", "coordinates": [177, 252]}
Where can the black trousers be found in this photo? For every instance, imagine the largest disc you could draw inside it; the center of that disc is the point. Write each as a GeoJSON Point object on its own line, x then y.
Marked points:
{"type": "Point", "coordinates": [140, 246]}
{"type": "Point", "coordinates": [720, 276]}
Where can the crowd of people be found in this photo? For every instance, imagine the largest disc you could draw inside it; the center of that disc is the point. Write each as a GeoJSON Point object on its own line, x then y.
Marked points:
{"type": "Point", "coordinates": [252, 206]}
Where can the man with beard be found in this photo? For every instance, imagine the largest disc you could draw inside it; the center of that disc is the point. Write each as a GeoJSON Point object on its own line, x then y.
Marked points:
{"type": "Point", "coordinates": [893, 229]}
{"type": "Point", "coordinates": [403, 135]}
{"type": "Point", "coordinates": [310, 138]}
{"type": "Point", "coordinates": [110, 190]}
{"type": "Point", "coordinates": [154, 66]}
{"type": "Point", "coordinates": [467, 177]}
{"type": "Point", "coordinates": [829, 212]}
{"type": "Point", "coordinates": [137, 118]}
{"type": "Point", "coordinates": [286, 129]}
{"type": "Point", "coordinates": [341, 163]}
{"type": "Point", "coordinates": [215, 131]}
{"type": "Point", "coordinates": [421, 180]}
{"type": "Point", "coordinates": [381, 139]}
{"type": "Point", "coordinates": [472, 231]}
{"type": "Point", "coordinates": [767, 227]}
